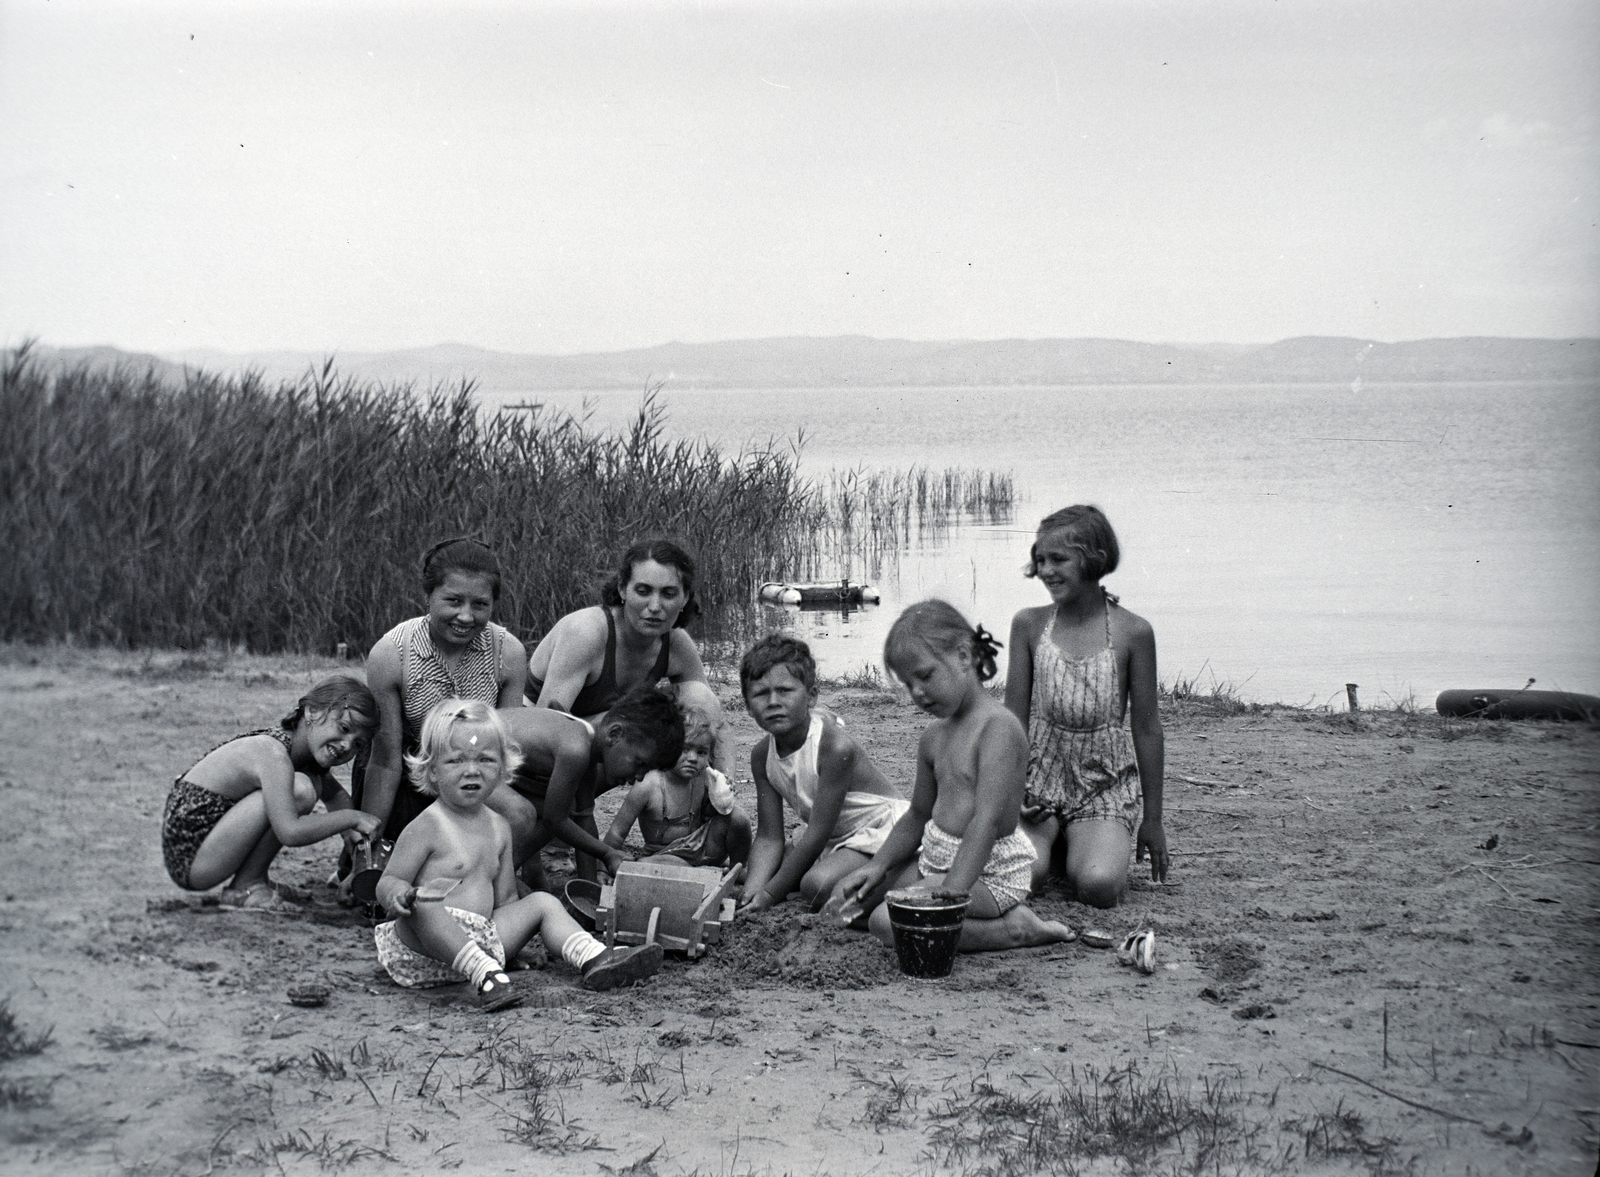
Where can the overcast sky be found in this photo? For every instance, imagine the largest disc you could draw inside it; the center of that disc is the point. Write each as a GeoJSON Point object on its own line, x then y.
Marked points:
{"type": "Point", "coordinates": [572, 177]}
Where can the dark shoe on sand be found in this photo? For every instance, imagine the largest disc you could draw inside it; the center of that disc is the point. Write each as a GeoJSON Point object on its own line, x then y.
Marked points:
{"type": "Point", "coordinates": [622, 966]}
{"type": "Point", "coordinates": [495, 993]}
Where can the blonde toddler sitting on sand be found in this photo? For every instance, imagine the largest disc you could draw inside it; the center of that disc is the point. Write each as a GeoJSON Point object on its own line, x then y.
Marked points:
{"type": "Point", "coordinates": [459, 850]}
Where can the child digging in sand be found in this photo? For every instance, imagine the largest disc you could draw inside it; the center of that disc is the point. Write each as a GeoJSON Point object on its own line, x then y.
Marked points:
{"type": "Point", "coordinates": [971, 764]}
{"type": "Point", "coordinates": [242, 802]}
{"type": "Point", "coordinates": [567, 762]}
{"type": "Point", "coordinates": [810, 761]}
{"type": "Point", "coordinates": [451, 883]}
{"type": "Point", "coordinates": [1078, 665]}
{"type": "Point", "coordinates": [687, 814]}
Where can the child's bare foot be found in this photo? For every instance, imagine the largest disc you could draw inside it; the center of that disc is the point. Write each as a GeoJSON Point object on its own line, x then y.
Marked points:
{"type": "Point", "coordinates": [1029, 930]}
{"type": "Point", "coordinates": [621, 966]}
{"type": "Point", "coordinates": [262, 897]}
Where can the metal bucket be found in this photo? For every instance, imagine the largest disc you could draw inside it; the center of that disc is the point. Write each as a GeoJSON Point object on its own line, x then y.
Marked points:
{"type": "Point", "coordinates": [369, 863]}
{"type": "Point", "coordinates": [927, 930]}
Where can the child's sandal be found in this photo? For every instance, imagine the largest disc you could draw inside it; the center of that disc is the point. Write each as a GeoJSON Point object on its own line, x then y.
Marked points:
{"type": "Point", "coordinates": [495, 992]}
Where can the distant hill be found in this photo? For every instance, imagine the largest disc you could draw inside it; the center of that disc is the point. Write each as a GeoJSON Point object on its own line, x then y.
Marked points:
{"type": "Point", "coordinates": [854, 360]}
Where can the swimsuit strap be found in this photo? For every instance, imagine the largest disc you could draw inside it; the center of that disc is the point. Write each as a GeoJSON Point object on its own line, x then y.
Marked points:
{"type": "Point", "coordinates": [282, 735]}
{"type": "Point", "coordinates": [663, 659]}
{"type": "Point", "coordinates": [694, 808]}
{"type": "Point", "coordinates": [1110, 601]}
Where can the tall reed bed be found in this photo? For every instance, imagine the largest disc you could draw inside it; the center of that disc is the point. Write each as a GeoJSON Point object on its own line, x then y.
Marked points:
{"type": "Point", "coordinates": [292, 517]}
{"type": "Point", "coordinates": [858, 521]}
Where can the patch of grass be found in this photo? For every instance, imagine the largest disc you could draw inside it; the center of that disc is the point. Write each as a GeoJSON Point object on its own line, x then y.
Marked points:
{"type": "Point", "coordinates": [326, 1151]}
{"type": "Point", "coordinates": [866, 677]}
{"type": "Point", "coordinates": [1342, 1133]}
{"type": "Point", "coordinates": [327, 1065]}
{"type": "Point", "coordinates": [114, 1037]}
{"type": "Point", "coordinates": [1218, 697]}
{"type": "Point", "coordinates": [1120, 1115]}
{"type": "Point", "coordinates": [892, 1105]}
{"type": "Point", "coordinates": [535, 1074]}
{"type": "Point", "coordinates": [15, 1042]}
{"type": "Point", "coordinates": [24, 1094]}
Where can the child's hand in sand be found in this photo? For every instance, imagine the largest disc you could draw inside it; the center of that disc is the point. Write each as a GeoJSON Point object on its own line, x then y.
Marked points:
{"type": "Point", "coordinates": [848, 900]}
{"type": "Point", "coordinates": [1153, 837]}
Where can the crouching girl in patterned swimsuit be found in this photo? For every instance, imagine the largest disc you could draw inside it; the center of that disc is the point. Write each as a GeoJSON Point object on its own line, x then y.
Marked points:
{"type": "Point", "coordinates": [964, 809]}
{"type": "Point", "coordinates": [1078, 665]}
{"type": "Point", "coordinates": [451, 883]}
{"type": "Point", "coordinates": [242, 802]}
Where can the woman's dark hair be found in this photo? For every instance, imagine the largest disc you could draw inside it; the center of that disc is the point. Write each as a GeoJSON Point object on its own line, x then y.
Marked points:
{"type": "Point", "coordinates": [938, 627]}
{"type": "Point", "coordinates": [648, 717]}
{"type": "Point", "coordinates": [662, 551]}
{"type": "Point", "coordinates": [340, 694]}
{"type": "Point", "coordinates": [1088, 532]}
{"type": "Point", "coordinates": [461, 554]}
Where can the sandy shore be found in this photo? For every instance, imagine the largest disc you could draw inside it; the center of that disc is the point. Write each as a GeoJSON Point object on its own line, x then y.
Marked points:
{"type": "Point", "coordinates": [1348, 979]}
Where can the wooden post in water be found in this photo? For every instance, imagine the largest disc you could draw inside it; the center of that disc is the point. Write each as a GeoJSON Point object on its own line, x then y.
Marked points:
{"type": "Point", "coordinates": [1350, 689]}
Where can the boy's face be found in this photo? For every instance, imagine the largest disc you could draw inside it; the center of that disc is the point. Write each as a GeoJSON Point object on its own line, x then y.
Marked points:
{"type": "Point", "coordinates": [470, 768]}
{"type": "Point", "coordinates": [625, 759]}
{"type": "Point", "coordinates": [779, 701]}
{"type": "Point", "coordinates": [696, 756]}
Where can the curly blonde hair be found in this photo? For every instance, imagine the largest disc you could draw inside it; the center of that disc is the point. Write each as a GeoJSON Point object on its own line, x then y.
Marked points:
{"type": "Point", "coordinates": [435, 739]}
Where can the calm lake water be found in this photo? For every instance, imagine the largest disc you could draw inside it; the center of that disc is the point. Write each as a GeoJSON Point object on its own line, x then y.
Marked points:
{"type": "Point", "coordinates": [1285, 539]}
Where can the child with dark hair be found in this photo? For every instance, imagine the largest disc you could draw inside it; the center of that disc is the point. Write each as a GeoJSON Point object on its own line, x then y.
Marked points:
{"type": "Point", "coordinates": [960, 833]}
{"type": "Point", "coordinates": [567, 762]}
{"type": "Point", "coordinates": [229, 815]}
{"type": "Point", "coordinates": [1078, 666]}
{"type": "Point", "coordinates": [453, 650]}
{"type": "Point", "coordinates": [811, 762]}
{"type": "Point", "coordinates": [688, 814]}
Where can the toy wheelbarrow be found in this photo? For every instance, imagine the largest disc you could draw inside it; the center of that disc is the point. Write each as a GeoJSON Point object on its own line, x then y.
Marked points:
{"type": "Point", "coordinates": [682, 908]}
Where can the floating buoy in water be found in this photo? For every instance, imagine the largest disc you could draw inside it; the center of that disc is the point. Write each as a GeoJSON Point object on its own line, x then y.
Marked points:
{"type": "Point", "coordinates": [824, 593]}
{"type": "Point", "coordinates": [1514, 704]}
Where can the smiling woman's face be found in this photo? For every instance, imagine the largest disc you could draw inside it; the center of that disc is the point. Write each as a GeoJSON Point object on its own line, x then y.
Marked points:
{"type": "Point", "coordinates": [459, 609]}
{"type": "Point", "coordinates": [653, 597]}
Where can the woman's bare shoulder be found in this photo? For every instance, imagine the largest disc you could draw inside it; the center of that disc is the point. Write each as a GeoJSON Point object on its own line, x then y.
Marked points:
{"type": "Point", "coordinates": [683, 657]}
{"type": "Point", "coordinates": [511, 647]}
{"type": "Point", "coordinates": [588, 622]}
{"type": "Point", "coordinates": [1129, 626]}
{"type": "Point", "coordinates": [1031, 621]}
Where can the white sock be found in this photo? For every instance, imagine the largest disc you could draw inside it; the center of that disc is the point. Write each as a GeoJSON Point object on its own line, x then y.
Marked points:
{"type": "Point", "coordinates": [580, 949]}
{"type": "Point", "coordinates": [475, 964]}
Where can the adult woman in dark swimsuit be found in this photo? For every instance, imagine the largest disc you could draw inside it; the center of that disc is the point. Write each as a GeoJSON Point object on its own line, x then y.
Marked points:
{"type": "Point", "coordinates": [635, 636]}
